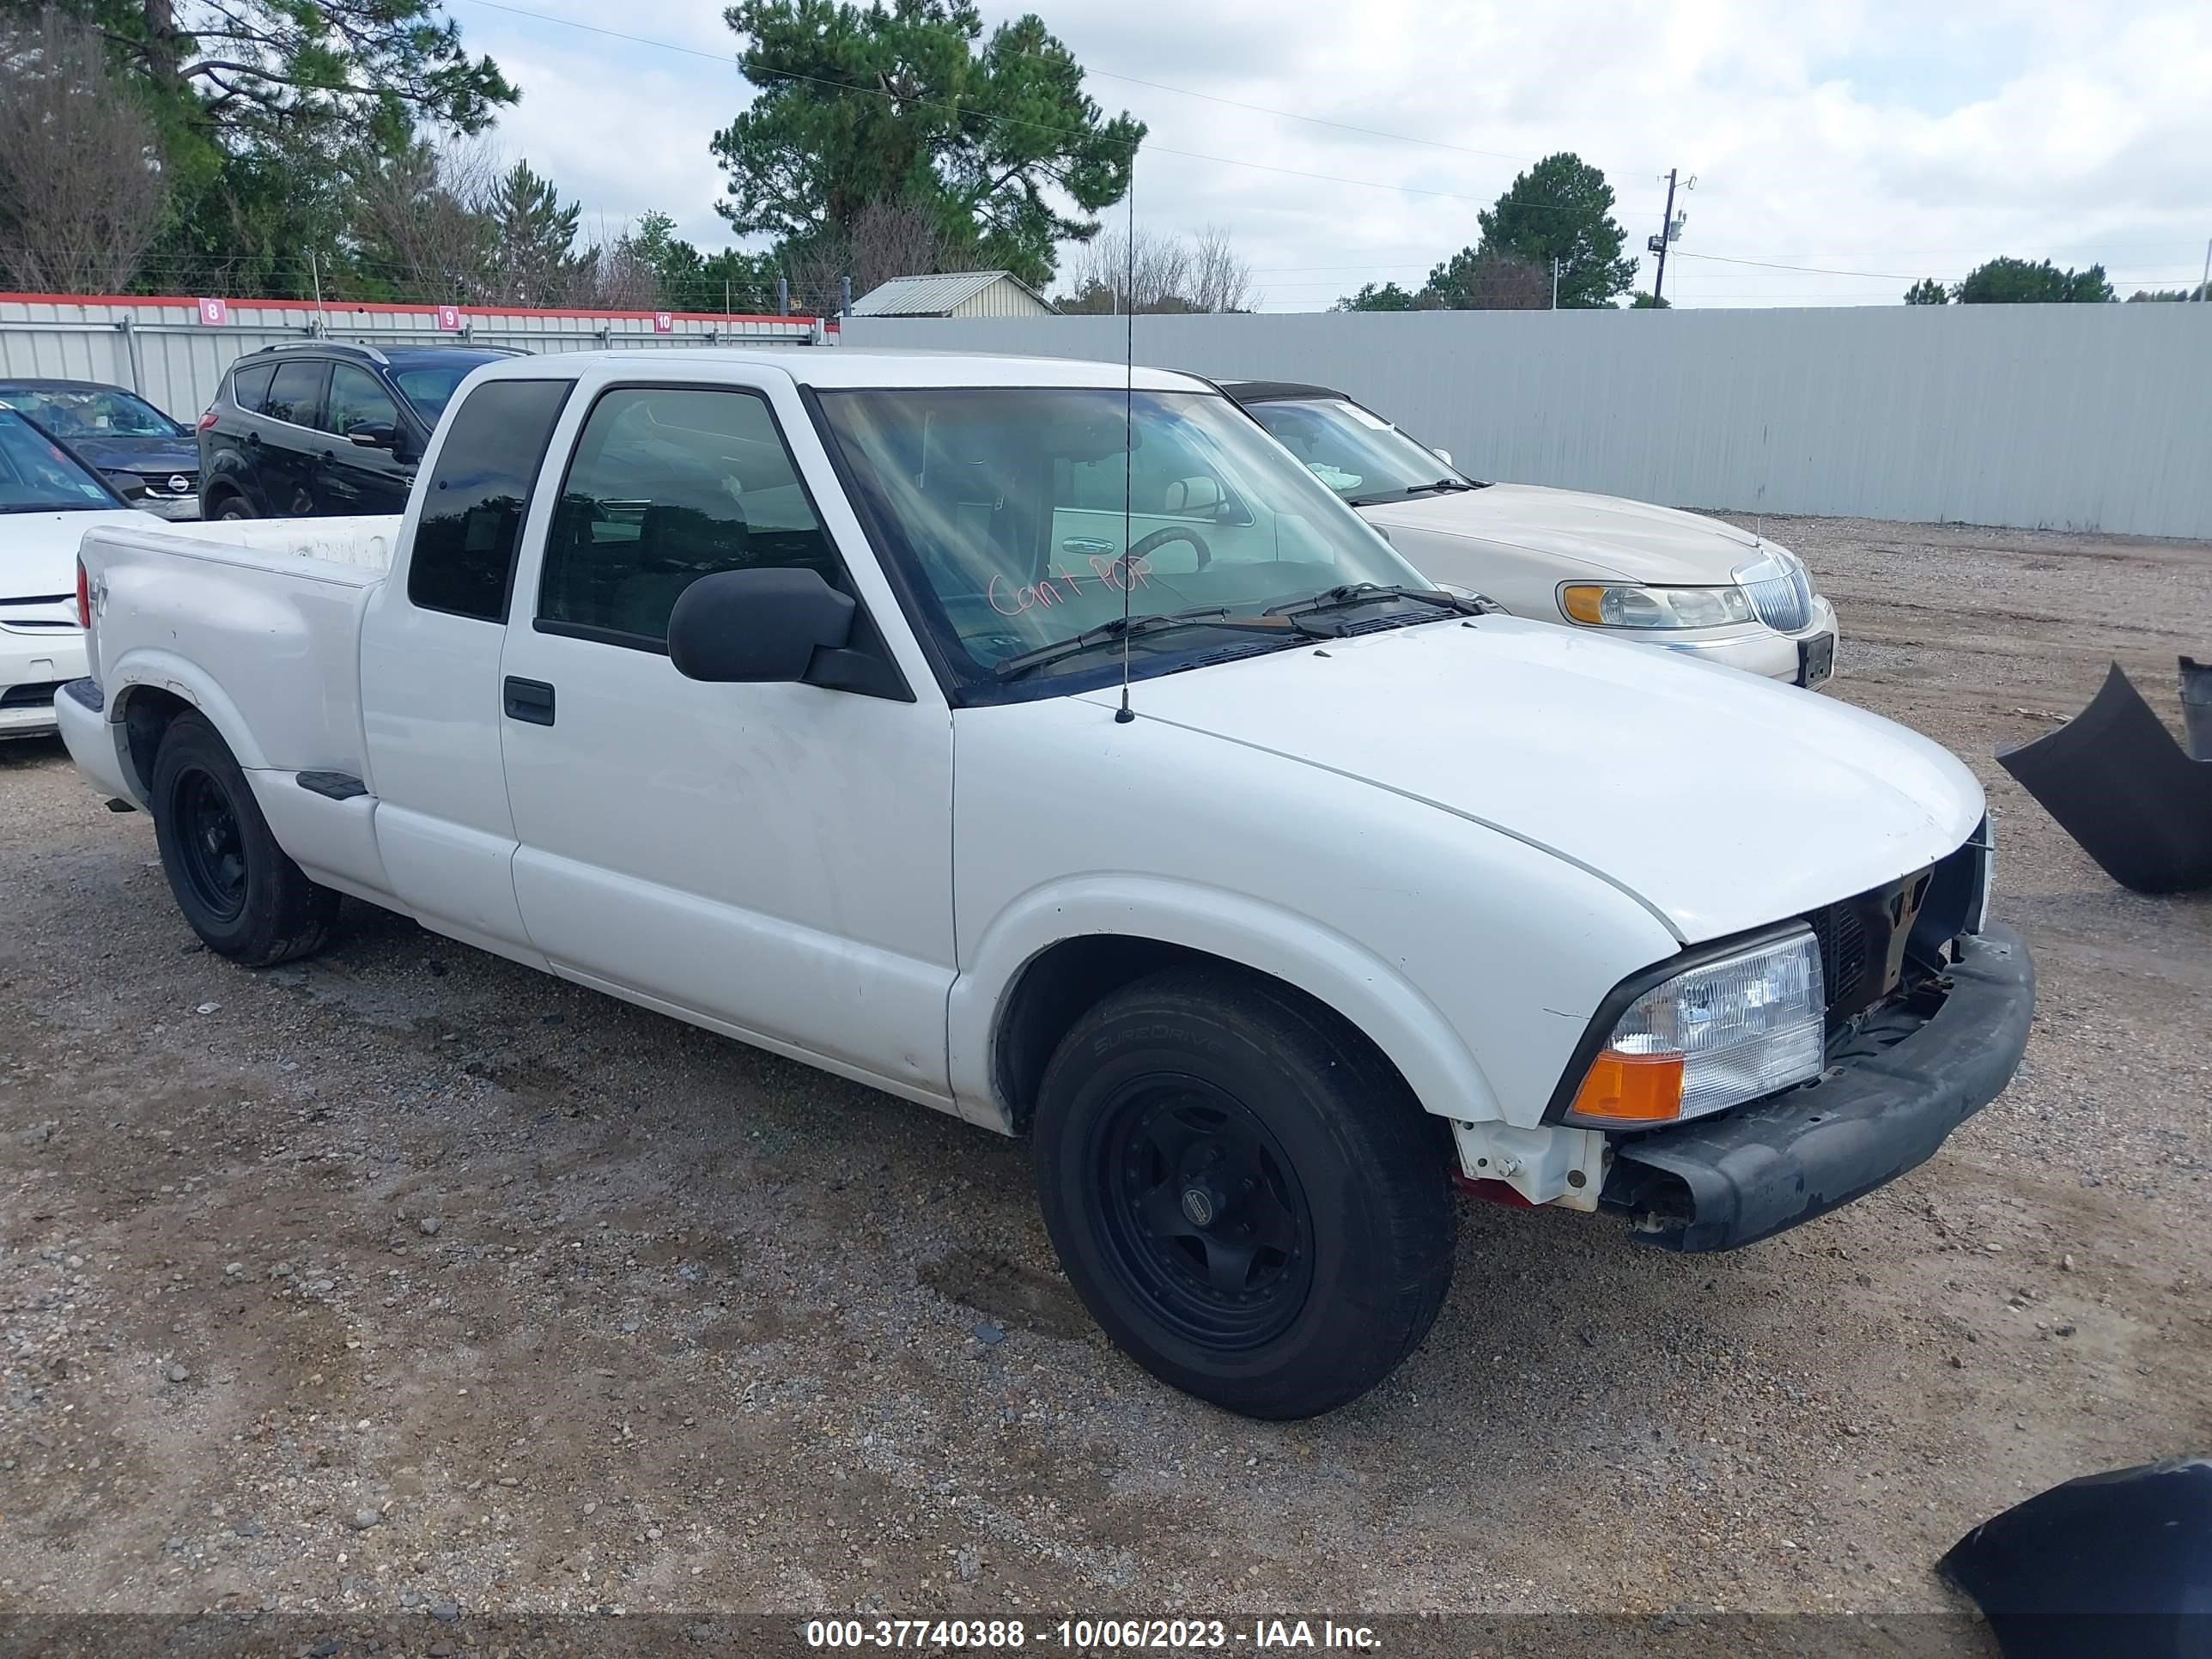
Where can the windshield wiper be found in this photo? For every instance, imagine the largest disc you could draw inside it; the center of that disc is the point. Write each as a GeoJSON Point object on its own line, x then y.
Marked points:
{"type": "Point", "coordinates": [1442, 486]}
{"type": "Point", "coordinates": [1359, 593]}
{"type": "Point", "coordinates": [1216, 616]}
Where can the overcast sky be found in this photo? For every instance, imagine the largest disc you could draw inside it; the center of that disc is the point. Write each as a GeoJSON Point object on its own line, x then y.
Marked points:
{"type": "Point", "coordinates": [1878, 137]}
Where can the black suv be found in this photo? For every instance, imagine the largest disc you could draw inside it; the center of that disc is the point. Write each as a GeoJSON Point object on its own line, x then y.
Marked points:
{"type": "Point", "coordinates": [324, 428]}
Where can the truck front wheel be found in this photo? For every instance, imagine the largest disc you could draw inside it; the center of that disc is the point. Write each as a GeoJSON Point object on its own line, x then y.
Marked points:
{"type": "Point", "coordinates": [1249, 1200]}
{"type": "Point", "coordinates": [241, 892]}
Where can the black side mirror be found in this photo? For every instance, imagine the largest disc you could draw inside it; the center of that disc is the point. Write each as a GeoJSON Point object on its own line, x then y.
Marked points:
{"type": "Point", "coordinates": [374, 434]}
{"type": "Point", "coordinates": [756, 626]}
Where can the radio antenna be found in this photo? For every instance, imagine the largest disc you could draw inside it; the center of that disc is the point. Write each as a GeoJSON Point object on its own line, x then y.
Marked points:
{"type": "Point", "coordinates": [1122, 715]}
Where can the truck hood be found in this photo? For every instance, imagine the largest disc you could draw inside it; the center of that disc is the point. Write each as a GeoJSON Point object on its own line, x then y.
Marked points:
{"type": "Point", "coordinates": [1720, 800]}
{"type": "Point", "coordinates": [38, 550]}
{"type": "Point", "coordinates": [1596, 535]}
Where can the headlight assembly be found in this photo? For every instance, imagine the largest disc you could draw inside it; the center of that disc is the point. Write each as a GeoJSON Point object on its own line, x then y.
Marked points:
{"type": "Point", "coordinates": [1712, 1037]}
{"type": "Point", "coordinates": [1632, 605]}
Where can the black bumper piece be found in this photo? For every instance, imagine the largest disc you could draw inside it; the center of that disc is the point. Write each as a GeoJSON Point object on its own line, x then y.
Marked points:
{"type": "Point", "coordinates": [2117, 782]}
{"type": "Point", "coordinates": [1765, 1168]}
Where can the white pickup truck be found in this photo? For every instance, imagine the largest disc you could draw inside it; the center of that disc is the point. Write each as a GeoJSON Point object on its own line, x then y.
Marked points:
{"type": "Point", "coordinates": [835, 701]}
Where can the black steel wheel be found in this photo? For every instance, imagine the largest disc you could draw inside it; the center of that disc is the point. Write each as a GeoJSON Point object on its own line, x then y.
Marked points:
{"type": "Point", "coordinates": [210, 851]}
{"type": "Point", "coordinates": [1201, 1209]}
{"type": "Point", "coordinates": [1246, 1196]}
{"type": "Point", "coordinates": [236, 886]}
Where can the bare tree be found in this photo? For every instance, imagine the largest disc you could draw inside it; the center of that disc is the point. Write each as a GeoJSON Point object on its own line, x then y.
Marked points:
{"type": "Point", "coordinates": [1220, 280]}
{"type": "Point", "coordinates": [882, 240]}
{"type": "Point", "coordinates": [81, 186]}
{"type": "Point", "coordinates": [421, 221]}
{"type": "Point", "coordinates": [613, 275]}
{"type": "Point", "coordinates": [1160, 274]}
{"type": "Point", "coordinates": [892, 239]}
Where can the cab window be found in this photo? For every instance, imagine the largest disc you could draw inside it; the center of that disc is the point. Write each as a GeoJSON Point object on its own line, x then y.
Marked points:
{"type": "Point", "coordinates": [669, 484]}
{"type": "Point", "coordinates": [464, 554]}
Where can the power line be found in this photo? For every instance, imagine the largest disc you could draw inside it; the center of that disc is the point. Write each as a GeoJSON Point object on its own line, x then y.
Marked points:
{"type": "Point", "coordinates": [955, 110]}
{"type": "Point", "coordinates": [1104, 74]}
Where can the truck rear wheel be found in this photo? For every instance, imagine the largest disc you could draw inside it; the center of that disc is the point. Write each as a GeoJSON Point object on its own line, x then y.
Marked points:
{"type": "Point", "coordinates": [236, 886]}
{"type": "Point", "coordinates": [1250, 1202]}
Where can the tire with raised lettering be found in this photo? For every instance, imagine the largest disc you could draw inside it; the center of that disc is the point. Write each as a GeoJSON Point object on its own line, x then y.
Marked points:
{"type": "Point", "coordinates": [1248, 1200]}
{"type": "Point", "coordinates": [243, 896]}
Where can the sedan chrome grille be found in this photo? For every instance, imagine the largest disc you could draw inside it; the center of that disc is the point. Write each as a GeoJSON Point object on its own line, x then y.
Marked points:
{"type": "Point", "coordinates": [1780, 591]}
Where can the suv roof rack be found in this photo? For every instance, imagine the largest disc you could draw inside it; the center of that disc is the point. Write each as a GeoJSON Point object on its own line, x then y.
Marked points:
{"type": "Point", "coordinates": [366, 351]}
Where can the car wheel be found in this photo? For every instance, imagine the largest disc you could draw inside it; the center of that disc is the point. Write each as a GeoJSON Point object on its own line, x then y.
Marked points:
{"type": "Point", "coordinates": [1249, 1201]}
{"type": "Point", "coordinates": [233, 506]}
{"type": "Point", "coordinates": [241, 893]}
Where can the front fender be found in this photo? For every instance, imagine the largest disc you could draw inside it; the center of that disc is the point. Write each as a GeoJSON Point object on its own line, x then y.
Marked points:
{"type": "Point", "coordinates": [1336, 970]}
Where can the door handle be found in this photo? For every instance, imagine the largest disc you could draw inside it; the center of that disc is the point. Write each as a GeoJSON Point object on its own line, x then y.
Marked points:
{"type": "Point", "coordinates": [1085, 544]}
{"type": "Point", "coordinates": [529, 700]}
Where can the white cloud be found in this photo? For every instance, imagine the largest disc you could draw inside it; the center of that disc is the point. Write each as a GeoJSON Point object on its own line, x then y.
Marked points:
{"type": "Point", "coordinates": [1862, 135]}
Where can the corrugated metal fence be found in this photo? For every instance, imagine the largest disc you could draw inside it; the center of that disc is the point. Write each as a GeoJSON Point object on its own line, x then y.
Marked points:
{"type": "Point", "coordinates": [163, 350]}
{"type": "Point", "coordinates": [2095, 417]}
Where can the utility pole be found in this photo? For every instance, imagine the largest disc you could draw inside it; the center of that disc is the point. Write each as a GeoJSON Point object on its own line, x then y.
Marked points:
{"type": "Point", "coordinates": [1658, 244]}
{"type": "Point", "coordinates": [315, 271]}
{"type": "Point", "coordinates": [2204, 288]}
{"type": "Point", "coordinates": [1555, 282]}
{"type": "Point", "coordinates": [1671, 229]}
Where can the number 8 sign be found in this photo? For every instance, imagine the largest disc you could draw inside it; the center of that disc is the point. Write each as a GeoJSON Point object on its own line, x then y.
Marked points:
{"type": "Point", "coordinates": [214, 312]}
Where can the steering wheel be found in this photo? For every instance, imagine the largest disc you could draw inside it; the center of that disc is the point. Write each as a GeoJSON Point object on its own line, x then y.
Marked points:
{"type": "Point", "coordinates": [1174, 532]}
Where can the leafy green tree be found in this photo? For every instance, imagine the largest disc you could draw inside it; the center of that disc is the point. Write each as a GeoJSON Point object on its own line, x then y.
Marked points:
{"type": "Point", "coordinates": [1927, 292]}
{"type": "Point", "coordinates": [533, 241]}
{"type": "Point", "coordinates": [2016, 281]}
{"type": "Point", "coordinates": [1641, 301]}
{"type": "Point", "coordinates": [1387, 296]}
{"type": "Point", "coordinates": [2183, 294]}
{"type": "Point", "coordinates": [1561, 208]}
{"type": "Point", "coordinates": [896, 105]}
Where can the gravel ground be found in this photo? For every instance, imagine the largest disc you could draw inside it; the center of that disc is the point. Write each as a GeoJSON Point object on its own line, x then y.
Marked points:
{"type": "Point", "coordinates": [409, 1279]}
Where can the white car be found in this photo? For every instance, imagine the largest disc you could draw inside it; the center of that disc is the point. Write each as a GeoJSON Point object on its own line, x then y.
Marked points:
{"type": "Point", "coordinates": [837, 702]}
{"type": "Point", "coordinates": [48, 499]}
{"type": "Point", "coordinates": [1653, 573]}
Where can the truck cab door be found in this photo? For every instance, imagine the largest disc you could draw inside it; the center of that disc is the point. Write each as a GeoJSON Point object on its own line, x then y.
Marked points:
{"type": "Point", "coordinates": [771, 860]}
{"type": "Point", "coordinates": [430, 649]}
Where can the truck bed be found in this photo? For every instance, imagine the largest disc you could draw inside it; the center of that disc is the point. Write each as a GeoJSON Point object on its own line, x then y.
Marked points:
{"type": "Point", "coordinates": [274, 605]}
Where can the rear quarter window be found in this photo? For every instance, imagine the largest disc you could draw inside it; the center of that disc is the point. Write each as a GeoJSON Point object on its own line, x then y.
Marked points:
{"type": "Point", "coordinates": [249, 387]}
{"type": "Point", "coordinates": [479, 492]}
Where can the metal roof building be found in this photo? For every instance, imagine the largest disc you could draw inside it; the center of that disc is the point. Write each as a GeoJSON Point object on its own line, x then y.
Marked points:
{"type": "Point", "coordinates": [954, 294]}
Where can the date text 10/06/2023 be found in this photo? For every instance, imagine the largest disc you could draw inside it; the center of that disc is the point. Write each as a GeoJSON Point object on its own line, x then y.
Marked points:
{"type": "Point", "coordinates": [1011, 599]}
{"type": "Point", "coordinates": [1092, 1635]}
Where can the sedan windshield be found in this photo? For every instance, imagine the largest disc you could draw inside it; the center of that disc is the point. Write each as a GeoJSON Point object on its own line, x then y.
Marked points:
{"type": "Point", "coordinates": [89, 411]}
{"type": "Point", "coordinates": [37, 476]}
{"type": "Point", "coordinates": [1026, 519]}
{"type": "Point", "coordinates": [1355, 452]}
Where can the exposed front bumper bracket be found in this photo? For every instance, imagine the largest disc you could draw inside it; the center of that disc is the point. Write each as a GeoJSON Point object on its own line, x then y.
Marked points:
{"type": "Point", "coordinates": [1760, 1171]}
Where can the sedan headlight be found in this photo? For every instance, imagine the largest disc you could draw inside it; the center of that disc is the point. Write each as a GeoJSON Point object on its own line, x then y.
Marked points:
{"type": "Point", "coordinates": [1712, 1037]}
{"type": "Point", "coordinates": [1632, 605]}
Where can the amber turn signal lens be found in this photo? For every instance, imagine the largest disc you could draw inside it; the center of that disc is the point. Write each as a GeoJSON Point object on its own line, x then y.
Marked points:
{"type": "Point", "coordinates": [1581, 602]}
{"type": "Point", "coordinates": [1631, 1088]}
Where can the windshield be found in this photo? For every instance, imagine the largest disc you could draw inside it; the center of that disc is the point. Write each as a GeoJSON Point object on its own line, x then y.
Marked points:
{"type": "Point", "coordinates": [1005, 508]}
{"type": "Point", "coordinates": [1354, 450]}
{"type": "Point", "coordinates": [36, 476]}
{"type": "Point", "coordinates": [73, 412]}
{"type": "Point", "coordinates": [429, 387]}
